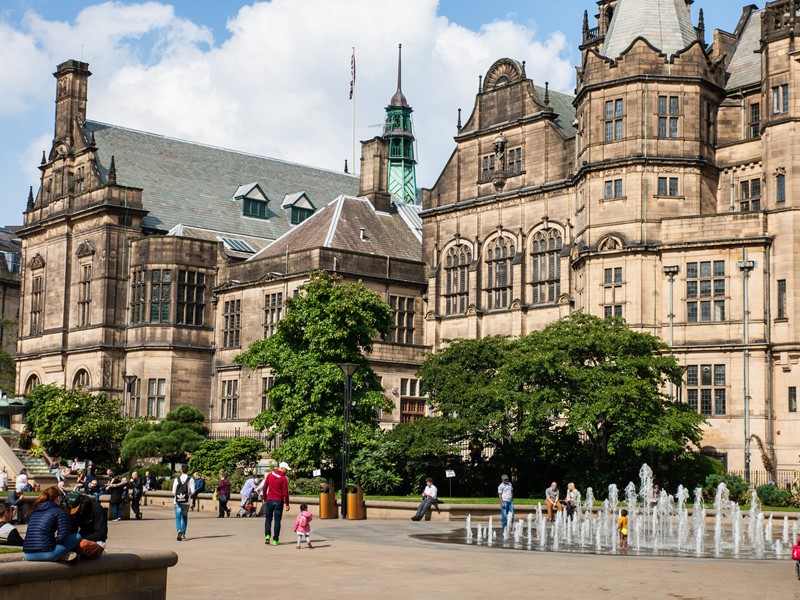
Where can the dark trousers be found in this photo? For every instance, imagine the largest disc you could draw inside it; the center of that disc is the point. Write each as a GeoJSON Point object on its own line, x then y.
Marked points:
{"type": "Point", "coordinates": [135, 500]}
{"type": "Point", "coordinates": [223, 507]}
{"type": "Point", "coordinates": [423, 507]}
{"type": "Point", "coordinates": [273, 508]}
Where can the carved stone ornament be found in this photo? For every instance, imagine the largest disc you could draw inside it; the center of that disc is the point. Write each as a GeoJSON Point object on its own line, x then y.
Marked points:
{"type": "Point", "coordinates": [85, 249]}
{"type": "Point", "coordinates": [37, 262]}
{"type": "Point", "coordinates": [503, 72]}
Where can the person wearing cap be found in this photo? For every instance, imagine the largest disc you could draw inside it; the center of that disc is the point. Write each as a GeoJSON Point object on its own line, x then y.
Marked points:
{"type": "Point", "coordinates": [91, 521]}
{"type": "Point", "coordinates": [276, 495]}
{"type": "Point", "coordinates": [505, 491]}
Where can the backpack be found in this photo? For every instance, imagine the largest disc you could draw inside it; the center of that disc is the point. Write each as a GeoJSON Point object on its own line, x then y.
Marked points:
{"type": "Point", "coordinates": [182, 491]}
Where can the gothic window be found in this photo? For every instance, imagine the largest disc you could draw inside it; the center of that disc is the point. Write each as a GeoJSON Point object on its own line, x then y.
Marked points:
{"type": "Point", "coordinates": [81, 379]}
{"type": "Point", "coordinates": [37, 305]}
{"type": "Point", "coordinates": [546, 253]}
{"type": "Point", "coordinates": [780, 188]}
{"type": "Point", "coordinates": [705, 291]}
{"type": "Point", "coordinates": [402, 331]}
{"type": "Point", "coordinates": [614, 113]}
{"type": "Point", "coordinates": [156, 398]}
{"type": "Point", "coordinates": [85, 296]}
{"type": "Point", "coordinates": [668, 115]}
{"type": "Point", "coordinates": [750, 195]}
{"type": "Point", "coordinates": [138, 296]}
{"type": "Point", "coordinates": [499, 255]}
{"type": "Point", "coordinates": [229, 400]}
{"type": "Point", "coordinates": [456, 272]}
{"type": "Point", "coordinates": [160, 295]}
{"type": "Point", "coordinates": [706, 390]}
{"type": "Point", "coordinates": [273, 312]}
{"type": "Point", "coordinates": [32, 383]}
{"type": "Point", "coordinates": [232, 311]}
{"type": "Point", "coordinates": [191, 297]}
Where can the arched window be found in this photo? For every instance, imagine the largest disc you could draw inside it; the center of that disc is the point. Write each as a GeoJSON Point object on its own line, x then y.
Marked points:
{"type": "Point", "coordinates": [81, 379]}
{"type": "Point", "coordinates": [456, 272]}
{"type": "Point", "coordinates": [545, 253]}
{"type": "Point", "coordinates": [32, 384]}
{"type": "Point", "coordinates": [499, 254]}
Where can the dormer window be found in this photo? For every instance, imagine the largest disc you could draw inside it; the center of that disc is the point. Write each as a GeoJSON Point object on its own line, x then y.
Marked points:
{"type": "Point", "coordinates": [300, 214]}
{"type": "Point", "coordinates": [254, 208]}
{"type": "Point", "coordinates": [299, 206]}
{"type": "Point", "coordinates": [252, 201]}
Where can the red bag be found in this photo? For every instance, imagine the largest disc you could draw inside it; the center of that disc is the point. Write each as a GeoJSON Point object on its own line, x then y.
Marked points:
{"type": "Point", "coordinates": [89, 549]}
{"type": "Point", "coordinates": [795, 552]}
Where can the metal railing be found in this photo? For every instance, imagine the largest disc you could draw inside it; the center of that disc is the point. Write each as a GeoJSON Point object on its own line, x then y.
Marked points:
{"type": "Point", "coordinates": [783, 479]}
{"type": "Point", "coordinates": [245, 433]}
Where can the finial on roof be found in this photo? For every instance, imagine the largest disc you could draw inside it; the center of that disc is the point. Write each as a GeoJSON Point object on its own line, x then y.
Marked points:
{"type": "Point", "coordinates": [480, 83]}
{"type": "Point", "coordinates": [701, 28]}
{"type": "Point", "coordinates": [585, 25]}
{"type": "Point", "coordinates": [93, 141]}
{"type": "Point", "coordinates": [112, 172]}
{"type": "Point", "coordinates": [547, 93]}
{"type": "Point", "coordinates": [345, 166]}
{"type": "Point", "coordinates": [524, 76]}
{"type": "Point", "coordinates": [399, 99]}
{"type": "Point", "coordinates": [30, 198]}
{"type": "Point", "coordinates": [44, 160]}
{"type": "Point", "coordinates": [458, 125]}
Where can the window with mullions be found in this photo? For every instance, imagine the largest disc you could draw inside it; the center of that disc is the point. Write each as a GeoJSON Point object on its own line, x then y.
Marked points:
{"type": "Point", "coordinates": [515, 161]}
{"type": "Point", "coordinates": [266, 386]}
{"type": "Point", "coordinates": [412, 403]}
{"type": "Point", "coordinates": [37, 299]}
{"type": "Point", "coordinates": [456, 273]}
{"type": "Point", "coordinates": [546, 258]}
{"type": "Point", "coordinates": [499, 254]}
{"type": "Point", "coordinates": [668, 115]}
{"type": "Point", "coordinates": [136, 398]}
{"type": "Point", "coordinates": [138, 296]}
{"type": "Point", "coordinates": [85, 296]}
{"type": "Point", "coordinates": [614, 110]}
{"type": "Point", "coordinates": [612, 189]}
{"type": "Point", "coordinates": [229, 400]}
{"type": "Point", "coordinates": [81, 380]}
{"type": "Point", "coordinates": [298, 214]}
{"type": "Point", "coordinates": [612, 292]}
{"type": "Point", "coordinates": [781, 299]}
{"type": "Point", "coordinates": [487, 168]}
{"type": "Point", "coordinates": [780, 99]}
{"type": "Point", "coordinates": [706, 390]}
{"type": "Point", "coordinates": [160, 295]}
{"type": "Point", "coordinates": [273, 312]}
{"type": "Point", "coordinates": [792, 399]}
{"type": "Point", "coordinates": [402, 330]}
{"type": "Point", "coordinates": [750, 195]}
{"type": "Point", "coordinates": [156, 397]}
{"type": "Point", "coordinates": [754, 129]}
{"type": "Point", "coordinates": [191, 297]}
{"type": "Point", "coordinates": [780, 188]}
{"type": "Point", "coordinates": [667, 186]}
{"type": "Point", "coordinates": [705, 291]}
{"type": "Point", "coordinates": [255, 208]}
{"type": "Point", "coordinates": [232, 311]}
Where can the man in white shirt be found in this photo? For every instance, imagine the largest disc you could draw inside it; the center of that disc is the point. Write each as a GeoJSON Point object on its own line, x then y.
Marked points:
{"type": "Point", "coordinates": [182, 490]}
{"type": "Point", "coordinates": [22, 481]}
{"type": "Point", "coordinates": [505, 491]}
{"type": "Point", "coordinates": [428, 499]}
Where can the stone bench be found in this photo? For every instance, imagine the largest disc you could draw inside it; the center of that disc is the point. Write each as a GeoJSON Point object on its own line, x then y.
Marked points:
{"type": "Point", "coordinates": [122, 576]}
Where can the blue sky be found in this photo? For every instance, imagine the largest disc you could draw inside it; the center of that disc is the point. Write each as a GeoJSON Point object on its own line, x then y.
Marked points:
{"type": "Point", "coordinates": [271, 78]}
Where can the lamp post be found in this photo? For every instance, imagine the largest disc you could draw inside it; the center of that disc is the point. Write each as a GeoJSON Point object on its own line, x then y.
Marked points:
{"type": "Point", "coordinates": [670, 271]}
{"type": "Point", "coordinates": [745, 266]}
{"type": "Point", "coordinates": [348, 369]}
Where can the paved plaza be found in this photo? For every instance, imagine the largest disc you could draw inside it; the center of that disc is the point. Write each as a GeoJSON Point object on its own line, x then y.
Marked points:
{"type": "Point", "coordinates": [227, 558]}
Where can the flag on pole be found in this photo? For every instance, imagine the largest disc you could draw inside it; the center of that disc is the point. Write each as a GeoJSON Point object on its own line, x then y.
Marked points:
{"type": "Point", "coordinates": [352, 74]}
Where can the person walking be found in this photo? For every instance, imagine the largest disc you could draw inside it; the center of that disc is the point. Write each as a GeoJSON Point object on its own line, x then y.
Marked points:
{"type": "Point", "coordinates": [505, 491]}
{"type": "Point", "coordinates": [276, 495]}
{"type": "Point", "coordinates": [302, 526]}
{"type": "Point", "coordinates": [223, 495]}
{"type": "Point", "coordinates": [48, 536]}
{"type": "Point", "coordinates": [199, 488]}
{"type": "Point", "coordinates": [429, 498]}
{"type": "Point", "coordinates": [135, 492]}
{"type": "Point", "coordinates": [114, 489]}
{"type": "Point", "coordinates": [182, 489]}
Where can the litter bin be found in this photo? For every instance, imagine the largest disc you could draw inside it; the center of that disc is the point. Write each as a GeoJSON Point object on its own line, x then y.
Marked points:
{"type": "Point", "coordinates": [327, 502]}
{"type": "Point", "coordinates": [355, 503]}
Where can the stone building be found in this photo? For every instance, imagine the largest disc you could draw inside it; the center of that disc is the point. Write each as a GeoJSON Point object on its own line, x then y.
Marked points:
{"type": "Point", "coordinates": [661, 192]}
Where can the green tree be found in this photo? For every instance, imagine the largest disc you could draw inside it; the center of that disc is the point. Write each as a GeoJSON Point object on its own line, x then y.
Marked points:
{"type": "Point", "coordinates": [172, 440]}
{"type": "Point", "coordinates": [605, 382]}
{"type": "Point", "coordinates": [214, 456]}
{"type": "Point", "coordinates": [328, 323]}
{"type": "Point", "coordinates": [77, 423]}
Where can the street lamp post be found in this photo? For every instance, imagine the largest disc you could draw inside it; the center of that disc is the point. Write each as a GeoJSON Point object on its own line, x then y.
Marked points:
{"type": "Point", "coordinates": [745, 266]}
{"type": "Point", "coordinates": [348, 369]}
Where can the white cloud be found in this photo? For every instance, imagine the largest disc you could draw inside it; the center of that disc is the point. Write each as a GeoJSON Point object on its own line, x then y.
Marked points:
{"type": "Point", "coordinates": [278, 84]}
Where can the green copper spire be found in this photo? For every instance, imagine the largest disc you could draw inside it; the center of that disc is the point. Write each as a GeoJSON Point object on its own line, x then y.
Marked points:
{"type": "Point", "coordinates": [399, 134]}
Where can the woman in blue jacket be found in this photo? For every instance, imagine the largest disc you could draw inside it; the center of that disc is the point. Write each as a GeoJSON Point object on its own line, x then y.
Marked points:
{"type": "Point", "coordinates": [48, 537]}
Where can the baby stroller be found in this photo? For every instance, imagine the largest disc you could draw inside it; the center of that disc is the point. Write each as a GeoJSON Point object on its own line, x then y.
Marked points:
{"type": "Point", "coordinates": [249, 507]}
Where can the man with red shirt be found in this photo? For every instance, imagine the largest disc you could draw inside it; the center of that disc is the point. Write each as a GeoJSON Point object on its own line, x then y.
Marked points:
{"type": "Point", "coordinates": [276, 494]}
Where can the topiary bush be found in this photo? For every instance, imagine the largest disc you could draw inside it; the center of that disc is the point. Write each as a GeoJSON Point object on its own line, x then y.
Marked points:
{"type": "Point", "coordinates": [772, 495]}
{"type": "Point", "coordinates": [737, 487]}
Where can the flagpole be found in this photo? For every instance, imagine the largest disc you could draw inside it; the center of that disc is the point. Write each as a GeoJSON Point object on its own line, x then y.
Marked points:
{"type": "Point", "coordinates": [353, 98]}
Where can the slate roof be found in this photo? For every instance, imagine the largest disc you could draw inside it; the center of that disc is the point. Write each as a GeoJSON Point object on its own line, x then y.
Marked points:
{"type": "Point", "coordinates": [666, 24]}
{"type": "Point", "coordinates": [744, 68]}
{"type": "Point", "coordinates": [193, 184]}
{"type": "Point", "coordinates": [338, 225]}
{"type": "Point", "coordinates": [562, 105]}
{"type": "Point", "coordinates": [198, 233]}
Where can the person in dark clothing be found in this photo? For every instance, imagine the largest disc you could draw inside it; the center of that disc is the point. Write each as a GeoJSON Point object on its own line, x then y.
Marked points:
{"type": "Point", "coordinates": [114, 489]}
{"type": "Point", "coordinates": [223, 495]}
{"type": "Point", "coordinates": [135, 492]}
{"type": "Point", "coordinates": [9, 536]}
{"type": "Point", "coordinates": [199, 487]}
{"type": "Point", "coordinates": [48, 536]}
{"type": "Point", "coordinates": [150, 482]}
{"type": "Point", "coordinates": [90, 519]}
{"type": "Point", "coordinates": [15, 502]}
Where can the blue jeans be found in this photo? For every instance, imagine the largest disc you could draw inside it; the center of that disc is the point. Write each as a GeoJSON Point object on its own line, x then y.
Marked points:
{"type": "Point", "coordinates": [506, 508]}
{"type": "Point", "coordinates": [56, 553]}
{"type": "Point", "coordinates": [117, 512]}
{"type": "Point", "coordinates": [273, 508]}
{"type": "Point", "coordinates": [181, 517]}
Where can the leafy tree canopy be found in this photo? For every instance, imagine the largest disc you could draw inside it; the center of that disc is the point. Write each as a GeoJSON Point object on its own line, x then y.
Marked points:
{"type": "Point", "coordinates": [214, 456]}
{"type": "Point", "coordinates": [77, 423]}
{"type": "Point", "coordinates": [172, 440]}
{"type": "Point", "coordinates": [328, 323]}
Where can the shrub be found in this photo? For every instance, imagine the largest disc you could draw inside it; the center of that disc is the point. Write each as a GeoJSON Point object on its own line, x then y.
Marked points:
{"type": "Point", "coordinates": [306, 486]}
{"type": "Point", "coordinates": [737, 487]}
{"type": "Point", "coordinates": [771, 495]}
{"type": "Point", "coordinates": [691, 469]}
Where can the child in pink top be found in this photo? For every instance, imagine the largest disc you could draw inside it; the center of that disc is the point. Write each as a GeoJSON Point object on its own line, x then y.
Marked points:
{"type": "Point", "coordinates": [302, 525]}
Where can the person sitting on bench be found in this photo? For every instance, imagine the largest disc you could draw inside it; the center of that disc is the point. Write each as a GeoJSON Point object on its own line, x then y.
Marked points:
{"type": "Point", "coordinates": [428, 500]}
